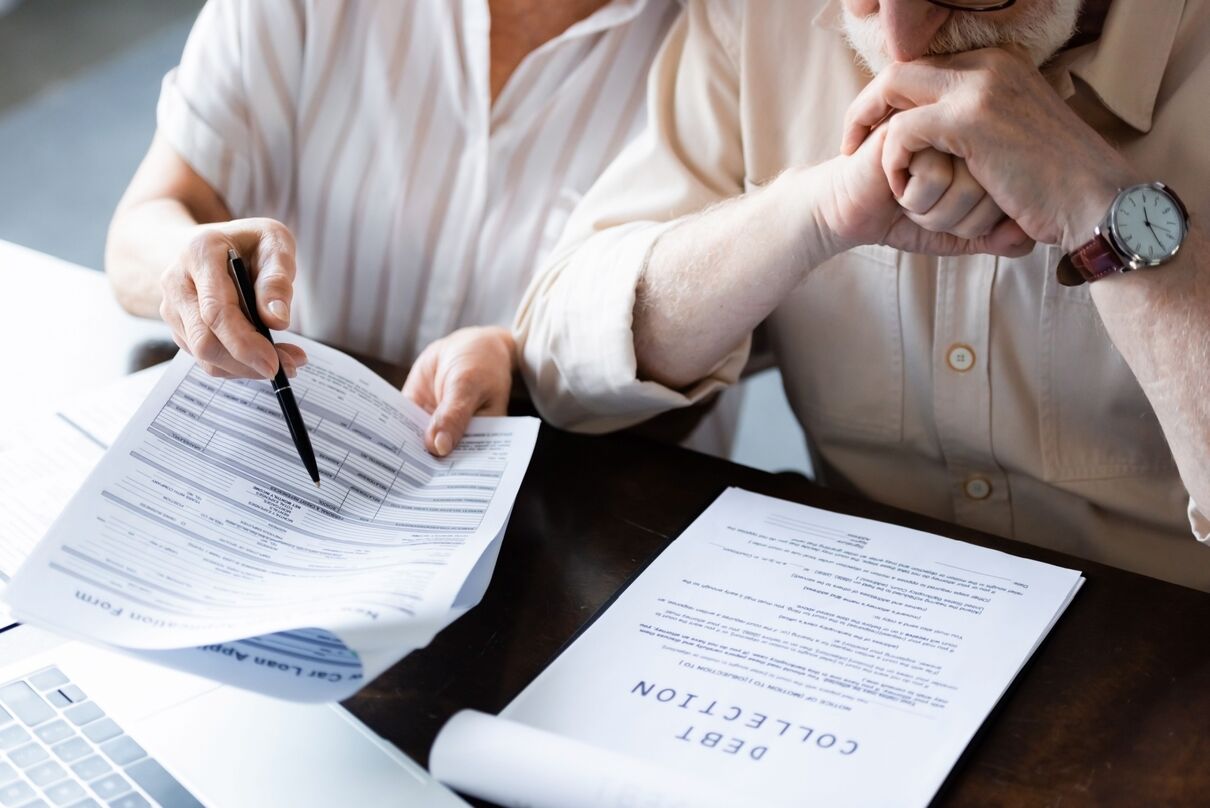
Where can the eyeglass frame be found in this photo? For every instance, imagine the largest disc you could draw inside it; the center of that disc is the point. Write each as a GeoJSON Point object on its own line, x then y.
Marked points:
{"type": "Point", "coordinates": [957, 6]}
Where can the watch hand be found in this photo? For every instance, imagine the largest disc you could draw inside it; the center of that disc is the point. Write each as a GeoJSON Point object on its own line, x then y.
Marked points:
{"type": "Point", "coordinates": [1146, 218]}
{"type": "Point", "coordinates": [1158, 243]}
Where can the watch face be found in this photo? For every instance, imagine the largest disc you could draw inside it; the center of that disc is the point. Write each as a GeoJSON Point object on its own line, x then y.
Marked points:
{"type": "Point", "coordinates": [1149, 223]}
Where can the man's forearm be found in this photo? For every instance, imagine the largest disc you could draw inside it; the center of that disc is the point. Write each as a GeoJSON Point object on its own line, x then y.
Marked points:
{"type": "Point", "coordinates": [145, 238]}
{"type": "Point", "coordinates": [712, 279]}
{"type": "Point", "coordinates": [1160, 322]}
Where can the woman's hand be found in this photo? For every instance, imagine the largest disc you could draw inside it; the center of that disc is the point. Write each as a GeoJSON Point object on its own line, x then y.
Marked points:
{"type": "Point", "coordinates": [201, 306]}
{"type": "Point", "coordinates": [464, 374]}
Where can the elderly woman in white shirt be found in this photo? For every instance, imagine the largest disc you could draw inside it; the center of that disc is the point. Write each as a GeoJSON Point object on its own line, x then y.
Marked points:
{"type": "Point", "coordinates": [393, 172]}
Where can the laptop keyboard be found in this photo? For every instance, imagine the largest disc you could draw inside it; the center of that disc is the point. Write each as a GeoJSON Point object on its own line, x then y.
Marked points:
{"type": "Point", "coordinates": [58, 748]}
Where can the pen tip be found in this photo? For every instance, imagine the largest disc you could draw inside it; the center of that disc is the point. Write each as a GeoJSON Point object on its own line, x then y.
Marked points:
{"type": "Point", "coordinates": [317, 483]}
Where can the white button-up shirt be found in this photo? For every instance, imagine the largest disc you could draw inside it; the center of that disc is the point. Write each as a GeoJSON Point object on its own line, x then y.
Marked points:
{"type": "Point", "coordinates": [368, 128]}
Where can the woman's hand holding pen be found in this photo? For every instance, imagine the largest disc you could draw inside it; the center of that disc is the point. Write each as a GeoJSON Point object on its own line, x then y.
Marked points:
{"type": "Point", "coordinates": [201, 306]}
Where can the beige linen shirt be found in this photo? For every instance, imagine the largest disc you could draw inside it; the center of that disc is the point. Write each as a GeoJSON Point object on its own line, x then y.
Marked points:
{"type": "Point", "coordinates": [974, 389]}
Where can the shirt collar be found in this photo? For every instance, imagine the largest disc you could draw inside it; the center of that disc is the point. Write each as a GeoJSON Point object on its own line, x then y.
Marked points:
{"type": "Point", "coordinates": [1123, 68]}
{"type": "Point", "coordinates": [611, 15]}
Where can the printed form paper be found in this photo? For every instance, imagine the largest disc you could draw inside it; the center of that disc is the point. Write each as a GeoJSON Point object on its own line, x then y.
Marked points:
{"type": "Point", "coordinates": [101, 414]}
{"type": "Point", "coordinates": [36, 481]}
{"type": "Point", "coordinates": [39, 476]}
{"type": "Point", "coordinates": [200, 542]}
{"type": "Point", "coordinates": [774, 654]}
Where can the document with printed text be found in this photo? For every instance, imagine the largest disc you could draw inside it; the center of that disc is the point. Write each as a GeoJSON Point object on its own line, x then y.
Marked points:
{"type": "Point", "coordinates": [198, 541]}
{"type": "Point", "coordinates": [774, 654]}
{"type": "Point", "coordinates": [39, 474]}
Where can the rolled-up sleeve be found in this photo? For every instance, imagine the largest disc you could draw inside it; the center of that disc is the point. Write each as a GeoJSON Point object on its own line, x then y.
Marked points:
{"type": "Point", "coordinates": [574, 329]}
{"type": "Point", "coordinates": [1199, 523]}
{"type": "Point", "coordinates": [203, 108]}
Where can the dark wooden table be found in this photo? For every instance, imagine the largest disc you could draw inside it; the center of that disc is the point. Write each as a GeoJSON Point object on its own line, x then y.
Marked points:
{"type": "Point", "coordinates": [1113, 709]}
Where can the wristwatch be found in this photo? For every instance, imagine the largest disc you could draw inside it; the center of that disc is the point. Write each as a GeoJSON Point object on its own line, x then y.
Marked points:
{"type": "Point", "coordinates": [1145, 227]}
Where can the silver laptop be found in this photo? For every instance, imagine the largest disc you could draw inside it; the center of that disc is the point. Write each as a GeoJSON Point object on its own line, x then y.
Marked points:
{"type": "Point", "coordinates": [80, 726]}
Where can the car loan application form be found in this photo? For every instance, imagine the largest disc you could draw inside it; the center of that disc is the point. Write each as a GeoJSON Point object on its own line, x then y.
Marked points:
{"type": "Point", "coordinates": [200, 542]}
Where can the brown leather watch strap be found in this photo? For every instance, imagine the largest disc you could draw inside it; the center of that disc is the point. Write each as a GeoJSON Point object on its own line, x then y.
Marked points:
{"type": "Point", "coordinates": [1091, 262]}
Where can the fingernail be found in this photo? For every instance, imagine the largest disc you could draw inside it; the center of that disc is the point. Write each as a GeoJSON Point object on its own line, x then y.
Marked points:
{"type": "Point", "coordinates": [279, 310]}
{"type": "Point", "coordinates": [443, 443]}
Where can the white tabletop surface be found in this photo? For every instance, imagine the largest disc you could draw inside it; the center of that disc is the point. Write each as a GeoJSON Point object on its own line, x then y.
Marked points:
{"type": "Point", "coordinates": [61, 332]}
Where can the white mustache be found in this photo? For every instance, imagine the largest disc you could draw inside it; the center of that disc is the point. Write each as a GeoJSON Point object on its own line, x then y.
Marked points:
{"type": "Point", "coordinates": [1040, 28]}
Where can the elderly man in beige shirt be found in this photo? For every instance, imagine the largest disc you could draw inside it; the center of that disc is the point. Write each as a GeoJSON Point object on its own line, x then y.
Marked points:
{"type": "Point", "coordinates": [905, 263]}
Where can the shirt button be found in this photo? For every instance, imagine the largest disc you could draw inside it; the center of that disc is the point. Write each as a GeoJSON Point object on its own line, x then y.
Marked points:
{"type": "Point", "coordinates": [960, 357]}
{"type": "Point", "coordinates": [978, 488]}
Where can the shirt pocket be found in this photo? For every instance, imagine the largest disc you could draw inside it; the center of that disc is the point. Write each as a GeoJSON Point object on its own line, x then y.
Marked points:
{"type": "Point", "coordinates": [839, 338]}
{"type": "Point", "coordinates": [1095, 421]}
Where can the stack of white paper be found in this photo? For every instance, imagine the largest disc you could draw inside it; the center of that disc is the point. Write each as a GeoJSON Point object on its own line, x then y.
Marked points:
{"type": "Point", "coordinates": [774, 654]}
{"type": "Point", "coordinates": [39, 476]}
{"type": "Point", "coordinates": [200, 542]}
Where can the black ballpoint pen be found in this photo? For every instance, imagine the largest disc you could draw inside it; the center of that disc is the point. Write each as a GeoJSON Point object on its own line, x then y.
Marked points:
{"type": "Point", "coordinates": [281, 385]}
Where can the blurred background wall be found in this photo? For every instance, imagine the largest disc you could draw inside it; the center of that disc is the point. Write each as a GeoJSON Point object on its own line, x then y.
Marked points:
{"type": "Point", "coordinates": [78, 84]}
